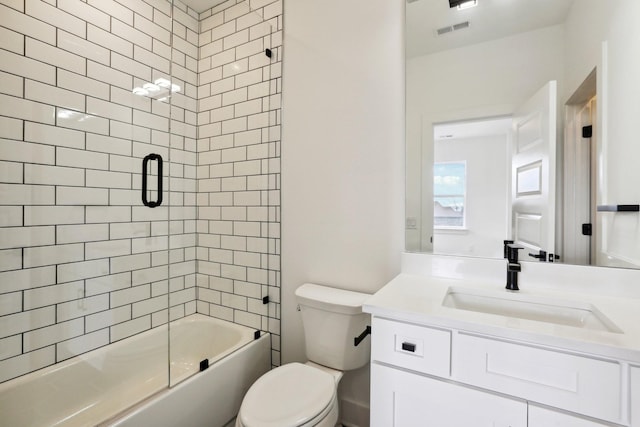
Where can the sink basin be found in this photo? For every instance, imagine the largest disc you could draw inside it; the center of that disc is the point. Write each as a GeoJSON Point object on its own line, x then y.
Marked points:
{"type": "Point", "coordinates": [523, 306]}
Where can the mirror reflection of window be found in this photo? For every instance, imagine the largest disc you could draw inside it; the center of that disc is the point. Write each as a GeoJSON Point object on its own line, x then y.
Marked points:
{"type": "Point", "coordinates": [449, 194]}
{"type": "Point", "coordinates": [471, 160]}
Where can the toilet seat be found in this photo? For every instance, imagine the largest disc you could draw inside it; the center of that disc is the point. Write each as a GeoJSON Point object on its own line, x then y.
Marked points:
{"type": "Point", "coordinates": [292, 395]}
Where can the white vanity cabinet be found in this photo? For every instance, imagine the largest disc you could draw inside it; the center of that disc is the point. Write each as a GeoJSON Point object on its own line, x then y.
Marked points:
{"type": "Point", "coordinates": [544, 417]}
{"type": "Point", "coordinates": [434, 376]}
{"type": "Point", "coordinates": [403, 399]}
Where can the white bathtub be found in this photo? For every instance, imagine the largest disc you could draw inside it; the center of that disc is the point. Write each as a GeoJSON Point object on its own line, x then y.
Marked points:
{"type": "Point", "coordinates": [126, 383]}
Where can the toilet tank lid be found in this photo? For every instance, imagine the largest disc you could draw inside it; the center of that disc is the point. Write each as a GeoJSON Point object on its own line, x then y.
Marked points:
{"type": "Point", "coordinates": [331, 299]}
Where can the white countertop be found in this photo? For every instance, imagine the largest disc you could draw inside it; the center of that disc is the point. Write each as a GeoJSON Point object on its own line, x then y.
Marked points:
{"type": "Point", "coordinates": [418, 299]}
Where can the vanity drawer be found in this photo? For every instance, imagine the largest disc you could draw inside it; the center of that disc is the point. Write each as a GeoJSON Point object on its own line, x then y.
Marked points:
{"type": "Point", "coordinates": [409, 346]}
{"type": "Point", "coordinates": [576, 383]}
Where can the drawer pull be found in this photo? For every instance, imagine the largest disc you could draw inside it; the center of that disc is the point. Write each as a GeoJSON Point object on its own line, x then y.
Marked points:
{"type": "Point", "coordinates": [407, 346]}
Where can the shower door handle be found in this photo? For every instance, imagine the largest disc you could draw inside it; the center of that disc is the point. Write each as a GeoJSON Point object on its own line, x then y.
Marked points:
{"type": "Point", "coordinates": [145, 162]}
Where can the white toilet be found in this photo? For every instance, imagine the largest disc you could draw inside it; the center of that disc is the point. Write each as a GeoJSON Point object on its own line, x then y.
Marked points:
{"type": "Point", "coordinates": [305, 395]}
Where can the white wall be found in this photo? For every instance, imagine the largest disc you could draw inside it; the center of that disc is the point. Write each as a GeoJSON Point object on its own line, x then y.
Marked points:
{"type": "Point", "coordinates": [485, 79]}
{"type": "Point", "coordinates": [487, 214]}
{"type": "Point", "coordinates": [342, 155]}
{"type": "Point", "coordinates": [586, 28]}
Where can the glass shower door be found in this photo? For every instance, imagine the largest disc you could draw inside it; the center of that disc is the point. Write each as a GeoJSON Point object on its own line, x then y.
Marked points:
{"type": "Point", "coordinates": [85, 90]}
{"type": "Point", "coordinates": [98, 246]}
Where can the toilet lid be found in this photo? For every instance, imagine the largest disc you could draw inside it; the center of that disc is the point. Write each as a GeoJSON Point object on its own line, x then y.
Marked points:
{"type": "Point", "coordinates": [290, 395]}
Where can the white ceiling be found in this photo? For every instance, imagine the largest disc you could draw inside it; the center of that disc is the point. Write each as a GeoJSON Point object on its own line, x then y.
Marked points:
{"type": "Point", "coordinates": [489, 20]}
{"type": "Point", "coordinates": [202, 5]}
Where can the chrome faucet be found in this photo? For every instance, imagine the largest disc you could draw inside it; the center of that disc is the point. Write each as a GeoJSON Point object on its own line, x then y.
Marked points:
{"type": "Point", "coordinates": [513, 266]}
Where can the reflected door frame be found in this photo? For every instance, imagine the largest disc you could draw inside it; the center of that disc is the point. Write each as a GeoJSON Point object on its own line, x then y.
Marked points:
{"type": "Point", "coordinates": [427, 143]}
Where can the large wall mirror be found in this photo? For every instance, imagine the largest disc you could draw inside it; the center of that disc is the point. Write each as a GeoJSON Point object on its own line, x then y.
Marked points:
{"type": "Point", "coordinates": [521, 125]}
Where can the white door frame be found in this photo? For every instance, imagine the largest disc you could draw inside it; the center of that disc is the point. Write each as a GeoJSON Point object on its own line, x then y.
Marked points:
{"type": "Point", "coordinates": [580, 174]}
{"type": "Point", "coordinates": [428, 121]}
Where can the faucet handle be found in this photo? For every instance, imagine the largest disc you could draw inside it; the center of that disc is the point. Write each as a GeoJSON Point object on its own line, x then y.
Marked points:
{"type": "Point", "coordinates": [506, 244]}
{"type": "Point", "coordinates": [514, 266]}
{"type": "Point", "coordinates": [512, 252]}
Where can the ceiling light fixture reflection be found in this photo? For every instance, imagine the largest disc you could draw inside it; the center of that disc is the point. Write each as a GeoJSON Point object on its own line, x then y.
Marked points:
{"type": "Point", "coordinates": [161, 89]}
{"type": "Point", "coordinates": [72, 115]}
{"type": "Point", "coordinates": [140, 91]}
{"type": "Point", "coordinates": [163, 83]}
{"type": "Point", "coordinates": [64, 114]}
{"type": "Point", "coordinates": [462, 4]}
{"type": "Point", "coordinates": [151, 87]}
{"type": "Point", "coordinates": [468, 5]}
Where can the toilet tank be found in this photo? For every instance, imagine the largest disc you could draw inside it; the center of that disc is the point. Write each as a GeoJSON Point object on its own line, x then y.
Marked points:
{"type": "Point", "coordinates": [332, 318]}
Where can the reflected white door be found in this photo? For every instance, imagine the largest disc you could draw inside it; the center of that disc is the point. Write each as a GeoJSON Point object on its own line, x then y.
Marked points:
{"type": "Point", "coordinates": [533, 169]}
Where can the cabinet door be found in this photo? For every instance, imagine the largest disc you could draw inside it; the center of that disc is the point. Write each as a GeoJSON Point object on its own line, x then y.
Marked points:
{"type": "Point", "coordinates": [542, 417]}
{"type": "Point", "coordinates": [635, 397]}
{"type": "Point", "coordinates": [403, 399]}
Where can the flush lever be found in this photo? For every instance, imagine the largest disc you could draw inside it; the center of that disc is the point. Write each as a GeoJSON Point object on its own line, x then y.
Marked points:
{"type": "Point", "coordinates": [357, 340]}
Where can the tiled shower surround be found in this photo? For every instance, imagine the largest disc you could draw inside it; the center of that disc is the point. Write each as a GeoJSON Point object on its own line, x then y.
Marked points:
{"type": "Point", "coordinates": [239, 165]}
{"type": "Point", "coordinates": [82, 262]}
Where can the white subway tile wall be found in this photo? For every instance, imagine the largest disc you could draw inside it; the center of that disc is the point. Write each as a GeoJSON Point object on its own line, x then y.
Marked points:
{"type": "Point", "coordinates": [82, 262]}
{"type": "Point", "coordinates": [238, 166]}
